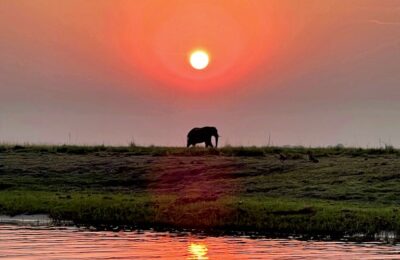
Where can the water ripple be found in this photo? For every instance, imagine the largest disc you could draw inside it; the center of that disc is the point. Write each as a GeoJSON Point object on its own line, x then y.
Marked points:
{"type": "Point", "coordinates": [31, 243]}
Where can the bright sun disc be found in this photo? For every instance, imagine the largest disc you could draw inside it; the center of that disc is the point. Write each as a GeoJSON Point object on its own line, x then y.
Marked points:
{"type": "Point", "coordinates": [199, 60]}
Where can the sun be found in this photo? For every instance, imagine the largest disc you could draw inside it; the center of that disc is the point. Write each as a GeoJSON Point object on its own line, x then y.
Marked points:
{"type": "Point", "coordinates": [199, 59]}
{"type": "Point", "coordinates": [198, 251]}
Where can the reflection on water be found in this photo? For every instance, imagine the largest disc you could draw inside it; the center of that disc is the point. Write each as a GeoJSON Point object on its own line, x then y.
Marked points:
{"type": "Point", "coordinates": [198, 251]}
{"type": "Point", "coordinates": [30, 243]}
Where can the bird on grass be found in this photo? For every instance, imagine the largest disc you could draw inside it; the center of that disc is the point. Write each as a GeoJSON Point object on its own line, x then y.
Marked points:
{"type": "Point", "coordinates": [282, 157]}
{"type": "Point", "coordinates": [312, 158]}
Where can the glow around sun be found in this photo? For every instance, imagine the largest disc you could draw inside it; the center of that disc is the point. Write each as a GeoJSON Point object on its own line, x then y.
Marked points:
{"type": "Point", "coordinates": [199, 59]}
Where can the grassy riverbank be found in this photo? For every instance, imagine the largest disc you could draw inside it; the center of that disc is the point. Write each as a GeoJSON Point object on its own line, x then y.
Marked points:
{"type": "Point", "coordinates": [231, 189]}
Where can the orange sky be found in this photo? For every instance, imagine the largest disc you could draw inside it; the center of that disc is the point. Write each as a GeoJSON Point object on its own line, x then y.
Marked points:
{"type": "Point", "coordinates": [309, 72]}
{"type": "Point", "coordinates": [156, 37]}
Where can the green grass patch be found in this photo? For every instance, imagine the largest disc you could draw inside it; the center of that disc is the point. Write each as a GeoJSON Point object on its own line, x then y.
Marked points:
{"type": "Point", "coordinates": [348, 191]}
{"type": "Point", "coordinates": [262, 214]}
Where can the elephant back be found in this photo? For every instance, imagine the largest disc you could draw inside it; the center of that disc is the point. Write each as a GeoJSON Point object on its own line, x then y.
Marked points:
{"type": "Point", "coordinates": [194, 131]}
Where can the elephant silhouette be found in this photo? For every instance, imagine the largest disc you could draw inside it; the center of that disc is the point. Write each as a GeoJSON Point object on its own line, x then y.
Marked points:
{"type": "Point", "coordinates": [202, 135]}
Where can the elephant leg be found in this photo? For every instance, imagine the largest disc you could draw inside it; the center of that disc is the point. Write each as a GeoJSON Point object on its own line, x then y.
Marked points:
{"type": "Point", "coordinates": [208, 143]}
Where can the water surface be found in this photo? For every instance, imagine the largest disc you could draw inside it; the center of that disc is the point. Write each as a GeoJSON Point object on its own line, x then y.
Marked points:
{"type": "Point", "coordinates": [22, 242]}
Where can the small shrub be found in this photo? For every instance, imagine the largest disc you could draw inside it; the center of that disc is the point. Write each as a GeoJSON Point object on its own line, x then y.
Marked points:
{"type": "Point", "coordinates": [132, 143]}
{"type": "Point", "coordinates": [339, 146]}
{"type": "Point", "coordinates": [389, 148]}
{"type": "Point", "coordinates": [18, 147]}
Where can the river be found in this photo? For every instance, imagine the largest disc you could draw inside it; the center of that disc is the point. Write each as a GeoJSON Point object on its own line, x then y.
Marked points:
{"type": "Point", "coordinates": [32, 242]}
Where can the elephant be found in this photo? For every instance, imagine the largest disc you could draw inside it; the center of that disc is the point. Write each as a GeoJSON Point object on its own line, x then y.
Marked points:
{"type": "Point", "coordinates": [202, 135]}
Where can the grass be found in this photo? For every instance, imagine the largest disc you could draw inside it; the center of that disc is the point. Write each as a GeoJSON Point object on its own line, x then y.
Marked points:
{"type": "Point", "coordinates": [226, 151]}
{"type": "Point", "coordinates": [348, 191]}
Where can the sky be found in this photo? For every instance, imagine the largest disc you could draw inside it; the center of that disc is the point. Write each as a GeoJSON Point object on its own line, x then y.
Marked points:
{"type": "Point", "coordinates": [281, 72]}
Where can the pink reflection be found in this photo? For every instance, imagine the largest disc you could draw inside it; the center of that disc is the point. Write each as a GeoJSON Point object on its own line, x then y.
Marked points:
{"type": "Point", "coordinates": [196, 186]}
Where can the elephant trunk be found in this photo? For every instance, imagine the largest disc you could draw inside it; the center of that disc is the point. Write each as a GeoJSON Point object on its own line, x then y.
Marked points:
{"type": "Point", "coordinates": [216, 141]}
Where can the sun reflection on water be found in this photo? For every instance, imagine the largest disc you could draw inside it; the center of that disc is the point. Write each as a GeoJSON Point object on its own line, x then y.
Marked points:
{"type": "Point", "coordinates": [198, 251]}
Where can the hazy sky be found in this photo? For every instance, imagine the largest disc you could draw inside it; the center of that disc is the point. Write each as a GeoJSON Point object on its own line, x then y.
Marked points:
{"type": "Point", "coordinates": [307, 72]}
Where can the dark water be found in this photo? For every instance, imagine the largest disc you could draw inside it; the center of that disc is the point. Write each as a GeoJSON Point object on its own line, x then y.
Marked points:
{"type": "Point", "coordinates": [24, 242]}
